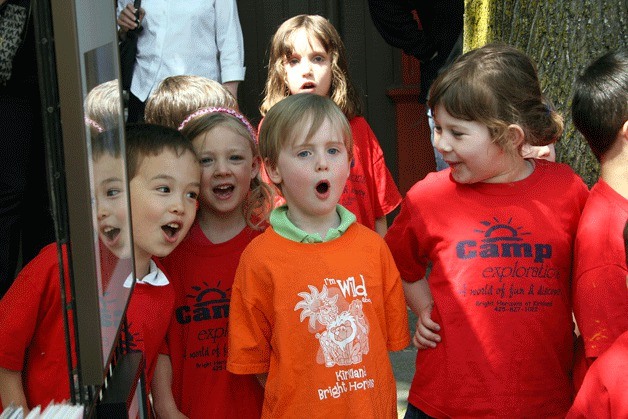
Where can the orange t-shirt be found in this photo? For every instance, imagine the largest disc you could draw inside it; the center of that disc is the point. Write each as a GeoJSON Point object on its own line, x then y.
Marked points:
{"type": "Point", "coordinates": [319, 319]}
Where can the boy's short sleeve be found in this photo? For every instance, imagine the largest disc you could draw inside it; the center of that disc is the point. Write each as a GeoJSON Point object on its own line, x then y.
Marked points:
{"type": "Point", "coordinates": [398, 335]}
{"type": "Point", "coordinates": [249, 327]}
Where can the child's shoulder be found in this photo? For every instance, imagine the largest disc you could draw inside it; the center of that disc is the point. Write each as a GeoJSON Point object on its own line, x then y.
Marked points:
{"type": "Point", "coordinates": [562, 175]}
{"type": "Point", "coordinates": [434, 186]}
{"type": "Point", "coordinates": [360, 127]}
{"type": "Point", "coordinates": [45, 263]}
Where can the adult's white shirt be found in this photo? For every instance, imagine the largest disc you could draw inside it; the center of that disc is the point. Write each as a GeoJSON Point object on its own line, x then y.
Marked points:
{"type": "Point", "coordinates": [195, 37]}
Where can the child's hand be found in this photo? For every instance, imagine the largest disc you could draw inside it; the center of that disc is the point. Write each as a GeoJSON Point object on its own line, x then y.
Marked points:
{"type": "Point", "coordinates": [425, 336]}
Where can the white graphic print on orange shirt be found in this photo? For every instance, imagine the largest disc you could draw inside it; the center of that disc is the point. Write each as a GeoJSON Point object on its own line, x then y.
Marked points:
{"type": "Point", "coordinates": [340, 326]}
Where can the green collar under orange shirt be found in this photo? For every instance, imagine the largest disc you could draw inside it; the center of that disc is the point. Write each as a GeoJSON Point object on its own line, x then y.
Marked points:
{"type": "Point", "coordinates": [286, 228]}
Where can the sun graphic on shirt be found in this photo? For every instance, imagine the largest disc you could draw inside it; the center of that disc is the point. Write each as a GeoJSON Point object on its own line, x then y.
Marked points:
{"type": "Point", "coordinates": [499, 231]}
{"type": "Point", "coordinates": [318, 306]}
{"type": "Point", "coordinates": [210, 294]}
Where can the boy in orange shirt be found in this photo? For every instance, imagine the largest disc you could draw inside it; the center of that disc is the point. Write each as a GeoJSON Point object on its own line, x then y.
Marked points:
{"type": "Point", "coordinates": [317, 301]}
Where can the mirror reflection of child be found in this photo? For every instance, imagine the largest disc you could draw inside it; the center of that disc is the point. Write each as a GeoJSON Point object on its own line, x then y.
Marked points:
{"type": "Point", "coordinates": [164, 178]}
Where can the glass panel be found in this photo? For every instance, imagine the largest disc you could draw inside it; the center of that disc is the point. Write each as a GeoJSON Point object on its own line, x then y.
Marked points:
{"type": "Point", "coordinates": [109, 194]}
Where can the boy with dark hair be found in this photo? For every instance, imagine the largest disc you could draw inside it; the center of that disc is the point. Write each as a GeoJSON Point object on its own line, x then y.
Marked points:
{"type": "Point", "coordinates": [600, 112]}
{"type": "Point", "coordinates": [164, 176]}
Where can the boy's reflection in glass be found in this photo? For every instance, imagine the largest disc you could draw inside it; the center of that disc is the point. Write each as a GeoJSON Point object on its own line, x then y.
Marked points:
{"type": "Point", "coordinates": [102, 110]}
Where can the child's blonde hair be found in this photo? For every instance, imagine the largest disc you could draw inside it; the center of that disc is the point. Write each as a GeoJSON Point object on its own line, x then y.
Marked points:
{"type": "Point", "coordinates": [316, 27]}
{"type": "Point", "coordinates": [259, 201]}
{"type": "Point", "coordinates": [176, 97]}
{"type": "Point", "coordinates": [102, 107]}
{"type": "Point", "coordinates": [497, 85]}
{"type": "Point", "coordinates": [295, 114]}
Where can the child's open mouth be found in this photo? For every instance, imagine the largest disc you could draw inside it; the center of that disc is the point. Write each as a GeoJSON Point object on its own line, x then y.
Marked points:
{"type": "Point", "coordinates": [308, 86]}
{"type": "Point", "coordinates": [111, 233]}
{"type": "Point", "coordinates": [223, 191]}
{"type": "Point", "coordinates": [322, 188]}
{"type": "Point", "coordinates": [171, 229]}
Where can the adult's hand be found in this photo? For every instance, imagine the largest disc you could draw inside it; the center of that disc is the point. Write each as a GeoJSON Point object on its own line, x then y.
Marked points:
{"type": "Point", "coordinates": [127, 20]}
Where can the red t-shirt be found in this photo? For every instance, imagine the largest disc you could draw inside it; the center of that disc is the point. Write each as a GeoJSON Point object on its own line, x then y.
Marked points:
{"type": "Point", "coordinates": [500, 279]}
{"type": "Point", "coordinates": [32, 339]}
{"type": "Point", "coordinates": [600, 297]}
{"type": "Point", "coordinates": [202, 275]}
{"type": "Point", "coordinates": [148, 315]}
{"type": "Point", "coordinates": [370, 192]}
{"type": "Point", "coordinates": [319, 319]}
{"type": "Point", "coordinates": [604, 391]}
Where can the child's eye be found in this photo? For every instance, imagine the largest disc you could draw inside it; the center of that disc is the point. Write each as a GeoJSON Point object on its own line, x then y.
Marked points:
{"type": "Point", "coordinates": [163, 189]}
{"type": "Point", "coordinates": [113, 192]}
{"type": "Point", "coordinates": [292, 61]}
{"type": "Point", "coordinates": [205, 161]}
{"type": "Point", "coordinates": [333, 151]}
{"type": "Point", "coordinates": [236, 157]}
{"type": "Point", "coordinates": [303, 153]}
{"type": "Point", "coordinates": [437, 128]}
{"type": "Point", "coordinates": [320, 59]}
{"type": "Point", "coordinates": [192, 195]}
{"type": "Point", "coordinates": [456, 133]}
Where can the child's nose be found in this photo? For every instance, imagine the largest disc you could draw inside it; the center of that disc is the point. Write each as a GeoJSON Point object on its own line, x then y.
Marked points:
{"type": "Point", "coordinates": [321, 163]}
{"type": "Point", "coordinates": [102, 212]}
{"type": "Point", "coordinates": [441, 143]}
{"type": "Point", "coordinates": [177, 206]}
{"type": "Point", "coordinates": [221, 167]}
{"type": "Point", "coordinates": [306, 67]}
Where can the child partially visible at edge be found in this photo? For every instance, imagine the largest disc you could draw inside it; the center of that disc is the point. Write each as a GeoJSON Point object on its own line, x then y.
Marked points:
{"type": "Point", "coordinates": [603, 394]}
{"type": "Point", "coordinates": [164, 182]}
{"type": "Point", "coordinates": [176, 97]}
{"type": "Point", "coordinates": [234, 207]}
{"type": "Point", "coordinates": [497, 230]}
{"type": "Point", "coordinates": [599, 111]}
{"type": "Point", "coordinates": [317, 301]}
{"type": "Point", "coordinates": [307, 55]}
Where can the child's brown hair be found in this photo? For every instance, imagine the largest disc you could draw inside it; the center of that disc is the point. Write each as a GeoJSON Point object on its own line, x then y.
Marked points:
{"type": "Point", "coordinates": [176, 97]}
{"type": "Point", "coordinates": [497, 85]}
{"type": "Point", "coordinates": [341, 91]}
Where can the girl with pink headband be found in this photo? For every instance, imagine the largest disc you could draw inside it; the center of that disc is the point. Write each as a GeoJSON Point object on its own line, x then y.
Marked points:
{"type": "Point", "coordinates": [234, 205]}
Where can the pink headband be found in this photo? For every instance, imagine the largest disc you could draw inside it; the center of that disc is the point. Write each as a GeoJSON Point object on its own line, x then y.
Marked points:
{"type": "Point", "coordinates": [94, 124]}
{"type": "Point", "coordinates": [205, 111]}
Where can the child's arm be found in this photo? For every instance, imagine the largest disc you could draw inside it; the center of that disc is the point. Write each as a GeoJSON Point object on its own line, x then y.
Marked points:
{"type": "Point", "coordinates": [11, 390]}
{"type": "Point", "coordinates": [163, 400]}
{"type": "Point", "coordinates": [381, 226]}
{"type": "Point", "coordinates": [419, 299]}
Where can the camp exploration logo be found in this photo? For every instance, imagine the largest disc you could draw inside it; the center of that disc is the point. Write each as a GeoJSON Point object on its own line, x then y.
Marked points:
{"type": "Point", "coordinates": [516, 272]}
{"type": "Point", "coordinates": [210, 302]}
{"type": "Point", "coordinates": [515, 253]}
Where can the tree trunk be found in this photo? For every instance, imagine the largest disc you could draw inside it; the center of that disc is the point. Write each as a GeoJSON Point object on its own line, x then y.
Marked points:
{"type": "Point", "coordinates": [562, 37]}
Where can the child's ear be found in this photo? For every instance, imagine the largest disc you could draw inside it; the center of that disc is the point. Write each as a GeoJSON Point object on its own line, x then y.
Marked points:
{"type": "Point", "coordinates": [257, 163]}
{"type": "Point", "coordinates": [624, 131]}
{"type": "Point", "coordinates": [273, 172]}
{"type": "Point", "coordinates": [516, 135]}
